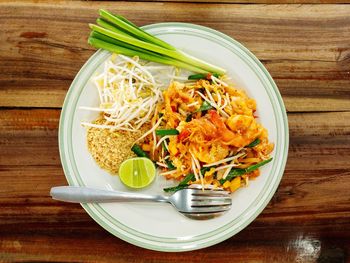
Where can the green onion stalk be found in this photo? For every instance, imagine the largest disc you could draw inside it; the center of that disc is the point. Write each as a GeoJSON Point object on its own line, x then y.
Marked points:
{"type": "Point", "coordinates": [116, 34]}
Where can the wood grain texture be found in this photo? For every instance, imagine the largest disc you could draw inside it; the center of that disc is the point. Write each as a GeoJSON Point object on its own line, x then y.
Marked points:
{"type": "Point", "coordinates": [209, 1]}
{"type": "Point", "coordinates": [256, 1]}
{"type": "Point", "coordinates": [306, 48]}
{"type": "Point", "coordinates": [299, 218]}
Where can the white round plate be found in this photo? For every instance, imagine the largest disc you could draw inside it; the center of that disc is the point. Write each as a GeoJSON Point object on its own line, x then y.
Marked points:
{"type": "Point", "coordinates": [159, 226]}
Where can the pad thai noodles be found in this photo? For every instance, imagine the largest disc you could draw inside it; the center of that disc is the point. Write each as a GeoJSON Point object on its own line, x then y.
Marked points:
{"type": "Point", "coordinates": [199, 132]}
{"type": "Point", "coordinates": [207, 129]}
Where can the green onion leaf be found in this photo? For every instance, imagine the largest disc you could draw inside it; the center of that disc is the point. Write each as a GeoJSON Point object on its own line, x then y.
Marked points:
{"type": "Point", "coordinates": [170, 165]}
{"type": "Point", "coordinates": [138, 151]}
{"type": "Point", "coordinates": [205, 106]}
{"type": "Point", "coordinates": [232, 174]}
{"type": "Point", "coordinates": [238, 171]}
{"type": "Point", "coordinates": [178, 55]}
{"type": "Point", "coordinates": [133, 41]}
{"type": "Point", "coordinates": [189, 118]}
{"type": "Point", "coordinates": [136, 51]}
{"type": "Point", "coordinates": [256, 166]}
{"type": "Point", "coordinates": [122, 30]}
{"type": "Point", "coordinates": [109, 26]}
{"type": "Point", "coordinates": [184, 183]}
{"type": "Point", "coordinates": [164, 132]}
{"type": "Point", "coordinates": [164, 147]}
{"type": "Point", "coordinates": [175, 188]}
{"type": "Point", "coordinates": [202, 76]}
{"type": "Point", "coordinates": [129, 48]}
{"type": "Point", "coordinates": [127, 21]}
{"type": "Point", "coordinates": [133, 29]}
{"type": "Point", "coordinates": [253, 143]}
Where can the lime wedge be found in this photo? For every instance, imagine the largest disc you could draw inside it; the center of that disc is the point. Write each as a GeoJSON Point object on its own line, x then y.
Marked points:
{"type": "Point", "coordinates": [137, 172]}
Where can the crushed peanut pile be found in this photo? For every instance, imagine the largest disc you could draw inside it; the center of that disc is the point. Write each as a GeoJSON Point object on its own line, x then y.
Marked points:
{"type": "Point", "coordinates": [111, 148]}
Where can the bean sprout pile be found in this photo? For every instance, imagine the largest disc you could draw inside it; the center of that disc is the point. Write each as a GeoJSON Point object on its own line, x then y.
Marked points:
{"type": "Point", "coordinates": [128, 92]}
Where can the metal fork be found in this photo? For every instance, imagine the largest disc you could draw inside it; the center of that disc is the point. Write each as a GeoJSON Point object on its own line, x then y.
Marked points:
{"type": "Point", "coordinates": [193, 203]}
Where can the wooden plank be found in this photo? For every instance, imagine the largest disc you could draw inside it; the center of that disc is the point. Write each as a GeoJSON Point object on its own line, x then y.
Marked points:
{"type": "Point", "coordinates": [317, 163]}
{"type": "Point", "coordinates": [256, 1]}
{"type": "Point", "coordinates": [306, 48]}
{"type": "Point", "coordinates": [222, 1]}
{"type": "Point", "coordinates": [94, 244]}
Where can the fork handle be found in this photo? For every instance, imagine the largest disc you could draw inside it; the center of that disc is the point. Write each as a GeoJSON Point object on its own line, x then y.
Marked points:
{"type": "Point", "coordinates": [76, 194]}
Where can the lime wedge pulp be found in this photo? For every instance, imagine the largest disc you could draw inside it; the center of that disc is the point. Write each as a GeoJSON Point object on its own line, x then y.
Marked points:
{"type": "Point", "coordinates": [137, 172]}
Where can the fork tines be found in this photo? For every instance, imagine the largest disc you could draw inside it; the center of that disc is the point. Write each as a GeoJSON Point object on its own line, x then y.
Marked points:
{"type": "Point", "coordinates": [210, 192]}
{"type": "Point", "coordinates": [209, 201]}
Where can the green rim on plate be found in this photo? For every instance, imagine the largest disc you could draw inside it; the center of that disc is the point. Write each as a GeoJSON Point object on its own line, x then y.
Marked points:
{"type": "Point", "coordinates": [102, 217]}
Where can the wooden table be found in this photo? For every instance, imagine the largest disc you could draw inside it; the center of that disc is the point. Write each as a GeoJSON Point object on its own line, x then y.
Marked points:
{"type": "Point", "coordinates": [306, 48]}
